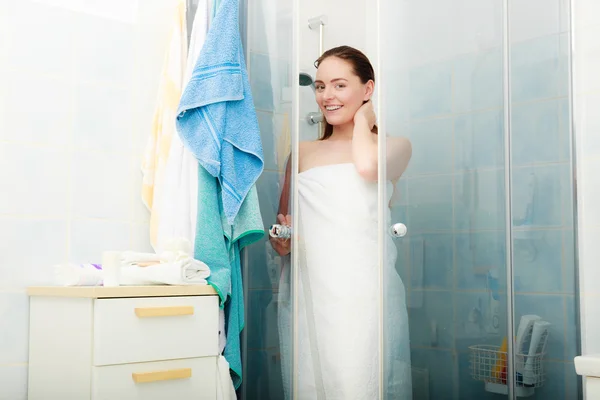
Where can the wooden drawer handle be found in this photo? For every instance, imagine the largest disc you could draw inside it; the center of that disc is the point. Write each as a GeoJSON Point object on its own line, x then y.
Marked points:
{"type": "Point", "coordinates": [144, 312]}
{"type": "Point", "coordinates": [172, 374]}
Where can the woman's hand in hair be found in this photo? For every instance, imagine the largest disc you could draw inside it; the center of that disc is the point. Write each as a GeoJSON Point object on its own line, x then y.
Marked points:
{"type": "Point", "coordinates": [366, 113]}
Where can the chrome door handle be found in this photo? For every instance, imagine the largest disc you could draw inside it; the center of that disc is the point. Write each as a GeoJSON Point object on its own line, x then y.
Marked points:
{"type": "Point", "coordinates": [398, 230]}
{"type": "Point", "coordinates": [280, 231]}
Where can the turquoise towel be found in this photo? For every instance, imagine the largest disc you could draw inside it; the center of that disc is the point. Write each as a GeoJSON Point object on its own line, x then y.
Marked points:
{"type": "Point", "coordinates": [219, 244]}
{"type": "Point", "coordinates": [216, 118]}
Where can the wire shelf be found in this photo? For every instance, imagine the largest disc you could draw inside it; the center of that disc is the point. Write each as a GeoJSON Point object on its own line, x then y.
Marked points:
{"type": "Point", "coordinates": [489, 364]}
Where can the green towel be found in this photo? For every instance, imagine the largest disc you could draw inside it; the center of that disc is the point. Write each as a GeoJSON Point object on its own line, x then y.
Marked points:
{"type": "Point", "coordinates": [219, 244]}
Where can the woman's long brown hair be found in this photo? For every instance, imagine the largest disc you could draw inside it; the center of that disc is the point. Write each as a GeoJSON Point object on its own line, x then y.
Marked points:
{"type": "Point", "coordinates": [361, 66]}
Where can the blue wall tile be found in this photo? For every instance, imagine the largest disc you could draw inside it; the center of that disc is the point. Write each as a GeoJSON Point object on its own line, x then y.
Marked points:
{"type": "Point", "coordinates": [566, 193]}
{"type": "Point", "coordinates": [437, 259]}
{"type": "Point", "coordinates": [476, 253]}
{"type": "Point", "coordinates": [263, 375]}
{"type": "Point", "coordinates": [432, 146]}
{"type": "Point", "coordinates": [272, 131]}
{"type": "Point", "coordinates": [269, 187]}
{"type": "Point", "coordinates": [564, 49]}
{"type": "Point", "coordinates": [479, 200]}
{"type": "Point", "coordinates": [568, 262]}
{"type": "Point", "coordinates": [536, 132]}
{"type": "Point", "coordinates": [474, 320]}
{"type": "Point", "coordinates": [430, 203]}
{"type": "Point", "coordinates": [430, 90]}
{"type": "Point", "coordinates": [564, 129]}
{"type": "Point", "coordinates": [538, 195]}
{"type": "Point", "coordinates": [537, 257]}
{"type": "Point", "coordinates": [267, 84]}
{"type": "Point", "coordinates": [258, 267]}
{"type": "Point", "coordinates": [535, 69]}
{"type": "Point", "coordinates": [571, 383]}
{"type": "Point", "coordinates": [479, 140]}
{"type": "Point", "coordinates": [438, 308]}
{"type": "Point", "coordinates": [551, 309]}
{"type": "Point", "coordinates": [571, 323]}
{"type": "Point", "coordinates": [261, 320]}
{"type": "Point", "coordinates": [554, 386]}
{"type": "Point", "coordinates": [478, 80]}
{"type": "Point", "coordinates": [469, 388]}
{"type": "Point", "coordinates": [441, 366]}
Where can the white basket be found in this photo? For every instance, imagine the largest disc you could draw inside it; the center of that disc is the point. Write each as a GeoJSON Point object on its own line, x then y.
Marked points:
{"type": "Point", "coordinates": [489, 364]}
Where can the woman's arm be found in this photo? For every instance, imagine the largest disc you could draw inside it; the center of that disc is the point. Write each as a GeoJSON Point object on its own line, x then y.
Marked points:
{"type": "Point", "coordinates": [365, 150]}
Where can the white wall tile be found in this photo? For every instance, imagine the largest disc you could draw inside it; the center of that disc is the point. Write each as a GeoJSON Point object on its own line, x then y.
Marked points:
{"type": "Point", "coordinates": [103, 118]}
{"type": "Point", "coordinates": [586, 12]}
{"type": "Point", "coordinates": [121, 10]}
{"type": "Point", "coordinates": [528, 22]}
{"type": "Point", "coordinates": [271, 27]}
{"type": "Point", "coordinates": [13, 381]}
{"type": "Point", "coordinates": [101, 185]}
{"type": "Point", "coordinates": [30, 248]}
{"type": "Point", "coordinates": [33, 180]}
{"type": "Point", "coordinates": [104, 50]}
{"type": "Point", "coordinates": [14, 328]}
{"type": "Point", "coordinates": [140, 238]}
{"type": "Point", "coordinates": [71, 140]}
{"type": "Point", "coordinates": [588, 125]}
{"type": "Point", "coordinates": [47, 46]}
{"type": "Point", "coordinates": [89, 238]}
{"type": "Point", "coordinates": [586, 58]}
{"type": "Point", "coordinates": [47, 119]}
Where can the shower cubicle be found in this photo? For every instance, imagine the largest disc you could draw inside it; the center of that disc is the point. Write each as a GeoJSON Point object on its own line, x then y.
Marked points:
{"type": "Point", "coordinates": [482, 88]}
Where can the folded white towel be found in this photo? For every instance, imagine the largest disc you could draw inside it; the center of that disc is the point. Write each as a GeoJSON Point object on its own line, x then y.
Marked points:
{"type": "Point", "coordinates": [181, 272]}
{"type": "Point", "coordinates": [78, 274]}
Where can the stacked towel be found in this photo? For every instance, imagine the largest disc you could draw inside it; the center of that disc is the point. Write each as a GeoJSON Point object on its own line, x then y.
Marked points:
{"type": "Point", "coordinates": [174, 266]}
{"type": "Point", "coordinates": [216, 117]}
{"type": "Point", "coordinates": [181, 272]}
{"type": "Point", "coordinates": [163, 127]}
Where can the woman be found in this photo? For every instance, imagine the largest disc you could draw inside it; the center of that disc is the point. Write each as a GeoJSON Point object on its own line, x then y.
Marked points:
{"type": "Point", "coordinates": [338, 291]}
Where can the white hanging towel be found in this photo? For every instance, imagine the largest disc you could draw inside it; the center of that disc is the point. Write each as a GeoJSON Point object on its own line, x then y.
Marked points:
{"type": "Point", "coordinates": [163, 126]}
{"type": "Point", "coordinates": [179, 199]}
{"type": "Point", "coordinates": [225, 389]}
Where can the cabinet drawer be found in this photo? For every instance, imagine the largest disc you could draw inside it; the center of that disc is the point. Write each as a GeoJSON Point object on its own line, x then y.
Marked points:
{"type": "Point", "coordinates": [143, 329]}
{"type": "Point", "coordinates": [179, 379]}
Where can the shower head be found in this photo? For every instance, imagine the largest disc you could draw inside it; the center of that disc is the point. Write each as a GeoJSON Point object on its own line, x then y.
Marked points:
{"type": "Point", "coordinates": [306, 80]}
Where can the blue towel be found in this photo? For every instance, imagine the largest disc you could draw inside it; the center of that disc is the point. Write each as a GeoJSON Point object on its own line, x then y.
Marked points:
{"type": "Point", "coordinates": [216, 118]}
{"type": "Point", "coordinates": [219, 244]}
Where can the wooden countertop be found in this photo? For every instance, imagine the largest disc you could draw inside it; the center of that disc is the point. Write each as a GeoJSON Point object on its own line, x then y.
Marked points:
{"type": "Point", "coordinates": [100, 292]}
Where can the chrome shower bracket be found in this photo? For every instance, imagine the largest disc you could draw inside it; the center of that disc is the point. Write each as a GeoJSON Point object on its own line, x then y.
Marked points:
{"type": "Point", "coordinates": [318, 22]}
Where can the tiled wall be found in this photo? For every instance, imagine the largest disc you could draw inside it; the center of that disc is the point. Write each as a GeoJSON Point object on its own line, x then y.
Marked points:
{"type": "Point", "coordinates": [586, 60]}
{"type": "Point", "coordinates": [78, 84]}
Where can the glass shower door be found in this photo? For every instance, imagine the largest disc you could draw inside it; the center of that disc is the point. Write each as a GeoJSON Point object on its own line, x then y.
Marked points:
{"type": "Point", "coordinates": [442, 89]}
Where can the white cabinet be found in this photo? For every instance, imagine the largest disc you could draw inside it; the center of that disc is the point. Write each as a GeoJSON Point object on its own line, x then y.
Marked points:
{"type": "Point", "coordinates": [126, 343]}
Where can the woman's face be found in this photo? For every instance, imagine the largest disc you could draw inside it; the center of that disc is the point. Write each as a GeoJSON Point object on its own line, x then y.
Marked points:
{"type": "Point", "coordinates": [339, 92]}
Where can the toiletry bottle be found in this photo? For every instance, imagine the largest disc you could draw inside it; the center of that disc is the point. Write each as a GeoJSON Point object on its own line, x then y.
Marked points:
{"type": "Point", "coordinates": [493, 324]}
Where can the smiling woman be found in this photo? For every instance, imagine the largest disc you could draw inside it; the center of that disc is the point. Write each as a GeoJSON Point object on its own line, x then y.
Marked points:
{"type": "Point", "coordinates": [338, 192]}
